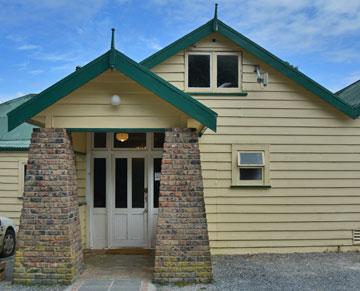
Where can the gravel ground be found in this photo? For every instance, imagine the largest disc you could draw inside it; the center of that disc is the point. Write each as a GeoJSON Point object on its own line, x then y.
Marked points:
{"type": "Point", "coordinates": [315, 271]}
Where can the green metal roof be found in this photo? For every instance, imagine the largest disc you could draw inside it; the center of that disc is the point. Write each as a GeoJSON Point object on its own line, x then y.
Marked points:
{"type": "Point", "coordinates": [114, 60]}
{"type": "Point", "coordinates": [351, 94]}
{"type": "Point", "coordinates": [251, 47]}
{"type": "Point", "coordinates": [17, 139]}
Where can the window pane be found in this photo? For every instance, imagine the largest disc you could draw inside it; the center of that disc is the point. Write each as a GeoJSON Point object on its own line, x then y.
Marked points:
{"type": "Point", "coordinates": [159, 139]}
{"type": "Point", "coordinates": [100, 140]}
{"type": "Point", "coordinates": [134, 140]}
{"type": "Point", "coordinates": [121, 183]}
{"type": "Point", "coordinates": [227, 71]}
{"type": "Point", "coordinates": [251, 158]}
{"type": "Point", "coordinates": [157, 172]}
{"type": "Point", "coordinates": [99, 182]}
{"type": "Point", "coordinates": [138, 175]}
{"type": "Point", "coordinates": [250, 173]}
{"type": "Point", "coordinates": [199, 71]}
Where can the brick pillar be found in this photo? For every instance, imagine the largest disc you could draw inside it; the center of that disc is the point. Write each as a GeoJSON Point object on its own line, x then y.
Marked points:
{"type": "Point", "coordinates": [49, 242]}
{"type": "Point", "coordinates": [182, 246]}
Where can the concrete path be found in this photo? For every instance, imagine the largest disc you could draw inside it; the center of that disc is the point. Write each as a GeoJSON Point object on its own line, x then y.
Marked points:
{"type": "Point", "coordinates": [113, 285]}
{"type": "Point", "coordinates": [116, 273]}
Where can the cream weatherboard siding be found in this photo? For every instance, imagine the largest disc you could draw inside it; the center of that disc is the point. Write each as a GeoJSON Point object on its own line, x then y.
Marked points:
{"type": "Point", "coordinates": [90, 107]}
{"type": "Point", "coordinates": [314, 201]}
{"type": "Point", "coordinates": [11, 183]}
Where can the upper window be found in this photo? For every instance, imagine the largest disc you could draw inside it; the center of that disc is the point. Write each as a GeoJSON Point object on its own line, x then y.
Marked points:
{"type": "Point", "coordinates": [250, 165]}
{"type": "Point", "coordinates": [213, 71]}
{"type": "Point", "coordinates": [227, 71]}
{"type": "Point", "coordinates": [199, 71]}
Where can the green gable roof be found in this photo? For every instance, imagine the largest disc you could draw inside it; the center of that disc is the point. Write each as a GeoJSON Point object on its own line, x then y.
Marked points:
{"type": "Point", "coordinates": [113, 59]}
{"type": "Point", "coordinates": [17, 139]}
{"type": "Point", "coordinates": [351, 94]}
{"type": "Point", "coordinates": [294, 74]}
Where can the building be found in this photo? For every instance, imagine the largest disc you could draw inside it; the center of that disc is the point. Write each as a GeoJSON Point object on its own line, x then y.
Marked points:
{"type": "Point", "coordinates": [280, 157]}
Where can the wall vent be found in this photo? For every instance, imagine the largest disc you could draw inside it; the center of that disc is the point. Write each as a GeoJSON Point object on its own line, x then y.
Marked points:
{"type": "Point", "coordinates": [356, 236]}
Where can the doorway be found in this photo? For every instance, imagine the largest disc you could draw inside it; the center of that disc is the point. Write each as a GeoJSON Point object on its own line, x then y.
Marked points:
{"type": "Point", "coordinates": [125, 185]}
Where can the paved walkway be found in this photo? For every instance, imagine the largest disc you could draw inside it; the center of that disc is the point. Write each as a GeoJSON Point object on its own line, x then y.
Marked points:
{"type": "Point", "coordinates": [116, 273]}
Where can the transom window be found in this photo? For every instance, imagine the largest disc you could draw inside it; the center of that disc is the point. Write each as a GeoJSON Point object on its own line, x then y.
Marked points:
{"type": "Point", "coordinates": [213, 71]}
{"type": "Point", "coordinates": [102, 141]}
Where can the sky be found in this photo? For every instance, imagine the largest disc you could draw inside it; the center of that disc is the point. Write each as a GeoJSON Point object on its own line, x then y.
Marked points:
{"type": "Point", "coordinates": [42, 41]}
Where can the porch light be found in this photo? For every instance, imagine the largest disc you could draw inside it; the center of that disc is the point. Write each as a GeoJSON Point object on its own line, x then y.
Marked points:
{"type": "Point", "coordinates": [115, 100]}
{"type": "Point", "coordinates": [122, 136]}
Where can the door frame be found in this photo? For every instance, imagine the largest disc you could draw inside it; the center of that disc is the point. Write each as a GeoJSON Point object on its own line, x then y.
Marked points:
{"type": "Point", "coordinates": [109, 153]}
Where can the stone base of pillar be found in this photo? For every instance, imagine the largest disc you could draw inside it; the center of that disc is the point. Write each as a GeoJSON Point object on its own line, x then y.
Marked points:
{"type": "Point", "coordinates": [182, 246]}
{"type": "Point", "coordinates": [49, 241]}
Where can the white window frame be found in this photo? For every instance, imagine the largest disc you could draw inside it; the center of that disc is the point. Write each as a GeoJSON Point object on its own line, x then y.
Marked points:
{"type": "Point", "coordinates": [213, 72]}
{"type": "Point", "coordinates": [197, 89]}
{"type": "Point", "coordinates": [236, 166]}
{"type": "Point", "coordinates": [228, 90]}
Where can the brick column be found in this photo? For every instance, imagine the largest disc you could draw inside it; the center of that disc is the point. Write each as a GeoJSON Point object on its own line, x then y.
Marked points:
{"type": "Point", "coordinates": [182, 246]}
{"type": "Point", "coordinates": [49, 242]}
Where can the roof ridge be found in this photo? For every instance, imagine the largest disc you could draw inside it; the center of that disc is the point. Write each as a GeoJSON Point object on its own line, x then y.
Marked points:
{"type": "Point", "coordinates": [30, 95]}
{"type": "Point", "coordinates": [347, 87]}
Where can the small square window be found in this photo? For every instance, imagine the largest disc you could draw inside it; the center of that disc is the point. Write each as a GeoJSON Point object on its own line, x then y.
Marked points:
{"type": "Point", "coordinates": [250, 165]}
{"type": "Point", "coordinates": [199, 71]}
{"type": "Point", "coordinates": [100, 140]}
{"type": "Point", "coordinates": [227, 71]}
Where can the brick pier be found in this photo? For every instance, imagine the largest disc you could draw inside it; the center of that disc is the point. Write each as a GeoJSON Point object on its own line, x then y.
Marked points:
{"type": "Point", "coordinates": [182, 245]}
{"type": "Point", "coordinates": [49, 242]}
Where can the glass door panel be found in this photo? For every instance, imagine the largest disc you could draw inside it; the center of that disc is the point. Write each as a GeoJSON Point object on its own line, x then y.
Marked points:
{"type": "Point", "coordinates": [128, 218]}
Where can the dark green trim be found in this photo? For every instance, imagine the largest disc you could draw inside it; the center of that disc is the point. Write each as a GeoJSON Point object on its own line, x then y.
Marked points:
{"type": "Point", "coordinates": [179, 45]}
{"type": "Point", "coordinates": [113, 59]}
{"type": "Point", "coordinates": [57, 91]}
{"type": "Point", "coordinates": [251, 186]}
{"type": "Point", "coordinates": [167, 92]}
{"type": "Point", "coordinates": [12, 149]}
{"type": "Point", "coordinates": [257, 51]}
{"type": "Point", "coordinates": [117, 129]}
{"type": "Point", "coordinates": [217, 94]}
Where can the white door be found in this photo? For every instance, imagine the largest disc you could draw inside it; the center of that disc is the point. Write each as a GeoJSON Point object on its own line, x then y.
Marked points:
{"type": "Point", "coordinates": [128, 201]}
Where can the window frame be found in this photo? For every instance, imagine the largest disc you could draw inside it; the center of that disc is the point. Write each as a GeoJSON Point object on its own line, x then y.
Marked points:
{"type": "Point", "coordinates": [234, 89]}
{"type": "Point", "coordinates": [236, 166]}
{"type": "Point", "coordinates": [197, 89]}
{"type": "Point", "coordinates": [213, 72]}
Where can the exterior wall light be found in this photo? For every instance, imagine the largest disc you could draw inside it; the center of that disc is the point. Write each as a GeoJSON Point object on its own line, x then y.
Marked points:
{"type": "Point", "coordinates": [122, 136]}
{"type": "Point", "coordinates": [115, 100]}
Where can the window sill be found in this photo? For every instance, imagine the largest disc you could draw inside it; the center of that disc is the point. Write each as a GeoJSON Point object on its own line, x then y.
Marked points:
{"type": "Point", "coordinates": [251, 186]}
{"type": "Point", "coordinates": [217, 93]}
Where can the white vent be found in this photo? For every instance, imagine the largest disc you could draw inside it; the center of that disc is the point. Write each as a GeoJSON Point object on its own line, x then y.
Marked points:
{"type": "Point", "coordinates": [356, 236]}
